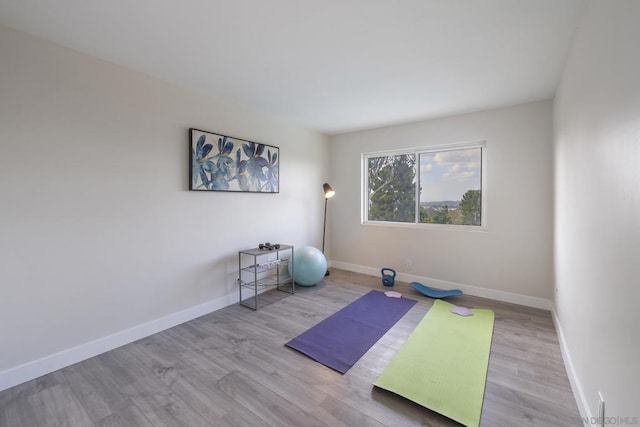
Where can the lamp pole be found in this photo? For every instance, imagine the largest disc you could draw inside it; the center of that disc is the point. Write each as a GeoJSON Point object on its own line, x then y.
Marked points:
{"type": "Point", "coordinates": [324, 228]}
{"type": "Point", "coordinates": [328, 193]}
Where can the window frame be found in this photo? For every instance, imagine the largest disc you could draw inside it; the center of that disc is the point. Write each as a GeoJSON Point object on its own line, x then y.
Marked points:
{"type": "Point", "coordinates": [364, 197]}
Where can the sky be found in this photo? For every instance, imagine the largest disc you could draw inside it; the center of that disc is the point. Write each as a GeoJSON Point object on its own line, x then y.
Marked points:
{"type": "Point", "coordinates": [447, 175]}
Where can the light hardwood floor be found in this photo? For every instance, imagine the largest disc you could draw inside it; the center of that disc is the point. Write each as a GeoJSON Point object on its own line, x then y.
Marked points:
{"type": "Point", "coordinates": [231, 368]}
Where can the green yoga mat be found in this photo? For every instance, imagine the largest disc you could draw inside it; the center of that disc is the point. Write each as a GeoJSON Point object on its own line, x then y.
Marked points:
{"type": "Point", "coordinates": [443, 364]}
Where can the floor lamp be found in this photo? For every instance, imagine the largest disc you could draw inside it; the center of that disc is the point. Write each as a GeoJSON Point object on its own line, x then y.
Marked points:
{"type": "Point", "coordinates": [328, 193]}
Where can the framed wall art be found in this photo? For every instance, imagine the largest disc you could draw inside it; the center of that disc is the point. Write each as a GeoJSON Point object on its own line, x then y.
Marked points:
{"type": "Point", "coordinates": [224, 163]}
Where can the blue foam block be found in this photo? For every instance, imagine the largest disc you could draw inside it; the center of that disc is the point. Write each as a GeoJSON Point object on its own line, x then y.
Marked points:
{"type": "Point", "coordinates": [435, 293]}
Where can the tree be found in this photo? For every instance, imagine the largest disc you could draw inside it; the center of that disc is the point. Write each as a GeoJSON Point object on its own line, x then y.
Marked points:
{"type": "Point", "coordinates": [426, 215]}
{"type": "Point", "coordinates": [442, 216]}
{"type": "Point", "coordinates": [392, 191]}
{"type": "Point", "coordinates": [470, 206]}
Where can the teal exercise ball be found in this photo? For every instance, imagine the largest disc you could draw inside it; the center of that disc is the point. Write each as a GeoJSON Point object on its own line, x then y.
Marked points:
{"type": "Point", "coordinates": [309, 266]}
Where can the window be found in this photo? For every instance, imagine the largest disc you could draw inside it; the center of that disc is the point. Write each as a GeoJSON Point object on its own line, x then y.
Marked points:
{"type": "Point", "coordinates": [442, 187]}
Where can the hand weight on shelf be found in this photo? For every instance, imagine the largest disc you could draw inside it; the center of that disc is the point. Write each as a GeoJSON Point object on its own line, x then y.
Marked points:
{"type": "Point", "coordinates": [268, 246]}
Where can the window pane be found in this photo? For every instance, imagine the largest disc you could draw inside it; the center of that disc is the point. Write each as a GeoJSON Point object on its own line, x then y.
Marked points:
{"type": "Point", "coordinates": [392, 188]}
{"type": "Point", "coordinates": [450, 187]}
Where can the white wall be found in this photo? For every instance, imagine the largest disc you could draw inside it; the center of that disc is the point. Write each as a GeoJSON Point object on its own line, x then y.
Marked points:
{"type": "Point", "coordinates": [597, 208]}
{"type": "Point", "coordinates": [512, 257]}
{"type": "Point", "coordinates": [98, 233]}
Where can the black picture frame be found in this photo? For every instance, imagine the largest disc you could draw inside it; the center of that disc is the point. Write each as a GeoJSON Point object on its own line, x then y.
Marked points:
{"type": "Point", "coordinates": [225, 163]}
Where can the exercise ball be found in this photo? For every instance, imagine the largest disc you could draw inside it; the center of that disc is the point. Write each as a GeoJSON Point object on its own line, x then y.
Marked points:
{"type": "Point", "coordinates": [309, 266]}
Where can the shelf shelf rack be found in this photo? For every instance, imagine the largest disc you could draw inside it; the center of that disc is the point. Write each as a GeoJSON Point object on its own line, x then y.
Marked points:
{"type": "Point", "coordinates": [264, 270]}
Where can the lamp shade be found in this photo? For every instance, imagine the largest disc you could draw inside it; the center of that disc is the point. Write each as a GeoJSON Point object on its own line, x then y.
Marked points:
{"type": "Point", "coordinates": [328, 191]}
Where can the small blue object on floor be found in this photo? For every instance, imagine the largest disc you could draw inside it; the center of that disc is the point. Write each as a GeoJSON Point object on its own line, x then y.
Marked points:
{"type": "Point", "coordinates": [434, 293]}
{"type": "Point", "coordinates": [388, 276]}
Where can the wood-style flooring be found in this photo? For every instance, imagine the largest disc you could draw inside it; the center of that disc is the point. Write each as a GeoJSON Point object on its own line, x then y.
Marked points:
{"type": "Point", "coordinates": [231, 368]}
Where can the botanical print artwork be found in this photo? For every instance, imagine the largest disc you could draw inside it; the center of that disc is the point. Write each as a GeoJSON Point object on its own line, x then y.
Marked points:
{"type": "Point", "coordinates": [223, 163]}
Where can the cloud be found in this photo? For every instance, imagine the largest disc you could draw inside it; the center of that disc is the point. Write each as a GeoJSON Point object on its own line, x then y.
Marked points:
{"type": "Point", "coordinates": [444, 158]}
{"type": "Point", "coordinates": [460, 176]}
{"type": "Point", "coordinates": [467, 175]}
{"type": "Point", "coordinates": [459, 165]}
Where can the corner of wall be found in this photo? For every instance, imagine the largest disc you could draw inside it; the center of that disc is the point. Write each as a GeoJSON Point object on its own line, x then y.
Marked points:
{"type": "Point", "coordinates": [576, 386]}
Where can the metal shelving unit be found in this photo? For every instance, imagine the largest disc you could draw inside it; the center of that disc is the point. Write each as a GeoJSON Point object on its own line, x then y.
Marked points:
{"type": "Point", "coordinates": [260, 270]}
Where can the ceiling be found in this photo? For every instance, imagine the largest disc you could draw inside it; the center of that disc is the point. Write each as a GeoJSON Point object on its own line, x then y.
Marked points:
{"type": "Point", "coordinates": [330, 65]}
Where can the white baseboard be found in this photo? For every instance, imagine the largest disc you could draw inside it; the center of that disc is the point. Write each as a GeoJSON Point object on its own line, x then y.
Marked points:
{"type": "Point", "coordinates": [511, 297]}
{"type": "Point", "coordinates": [576, 387]}
{"type": "Point", "coordinates": [53, 362]}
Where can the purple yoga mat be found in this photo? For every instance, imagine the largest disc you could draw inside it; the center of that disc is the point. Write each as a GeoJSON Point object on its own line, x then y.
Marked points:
{"type": "Point", "coordinates": [341, 339]}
